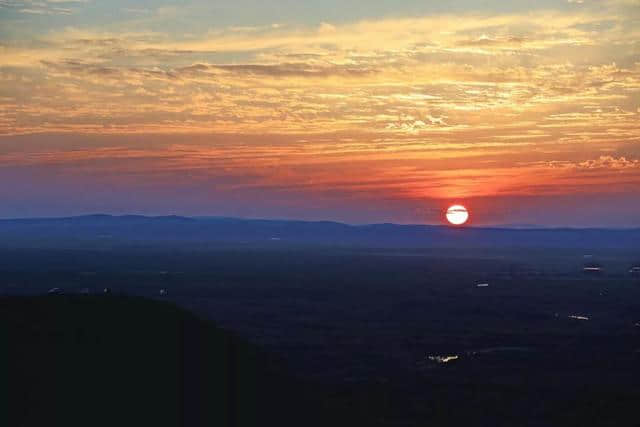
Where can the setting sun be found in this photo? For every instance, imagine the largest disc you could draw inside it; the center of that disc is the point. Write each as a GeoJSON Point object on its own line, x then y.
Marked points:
{"type": "Point", "coordinates": [457, 215]}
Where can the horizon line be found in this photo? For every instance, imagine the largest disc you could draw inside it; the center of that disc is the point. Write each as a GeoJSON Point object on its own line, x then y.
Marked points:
{"type": "Point", "coordinates": [275, 219]}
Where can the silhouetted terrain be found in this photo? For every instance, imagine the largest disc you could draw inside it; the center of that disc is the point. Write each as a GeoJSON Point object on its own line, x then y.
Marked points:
{"type": "Point", "coordinates": [108, 230]}
{"type": "Point", "coordinates": [122, 361]}
{"type": "Point", "coordinates": [336, 334]}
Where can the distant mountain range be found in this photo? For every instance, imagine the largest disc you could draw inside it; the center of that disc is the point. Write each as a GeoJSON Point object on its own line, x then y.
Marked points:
{"type": "Point", "coordinates": [222, 230]}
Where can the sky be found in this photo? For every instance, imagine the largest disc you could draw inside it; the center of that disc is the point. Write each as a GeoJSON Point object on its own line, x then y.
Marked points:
{"type": "Point", "coordinates": [357, 111]}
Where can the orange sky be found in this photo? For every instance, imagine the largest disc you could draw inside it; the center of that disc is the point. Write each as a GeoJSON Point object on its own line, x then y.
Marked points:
{"type": "Point", "coordinates": [386, 117]}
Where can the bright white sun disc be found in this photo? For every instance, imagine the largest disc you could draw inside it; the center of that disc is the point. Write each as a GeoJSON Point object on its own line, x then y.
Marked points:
{"type": "Point", "coordinates": [457, 214]}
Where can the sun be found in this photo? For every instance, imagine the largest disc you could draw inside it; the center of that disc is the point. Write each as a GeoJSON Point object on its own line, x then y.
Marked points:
{"type": "Point", "coordinates": [457, 215]}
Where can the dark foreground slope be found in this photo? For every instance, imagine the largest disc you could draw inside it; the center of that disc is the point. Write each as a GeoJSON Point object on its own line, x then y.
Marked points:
{"type": "Point", "coordinates": [105, 361]}
{"type": "Point", "coordinates": [128, 361]}
{"type": "Point", "coordinates": [80, 361]}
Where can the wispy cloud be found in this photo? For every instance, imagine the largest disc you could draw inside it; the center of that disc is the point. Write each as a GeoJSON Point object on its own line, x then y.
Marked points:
{"type": "Point", "coordinates": [601, 163]}
{"type": "Point", "coordinates": [42, 7]}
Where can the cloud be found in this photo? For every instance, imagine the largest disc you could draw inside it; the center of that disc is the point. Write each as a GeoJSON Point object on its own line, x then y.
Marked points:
{"type": "Point", "coordinates": [326, 28]}
{"type": "Point", "coordinates": [41, 7]}
{"type": "Point", "coordinates": [609, 162]}
{"type": "Point", "coordinates": [602, 163]}
{"type": "Point", "coordinates": [290, 69]}
{"type": "Point", "coordinates": [485, 40]}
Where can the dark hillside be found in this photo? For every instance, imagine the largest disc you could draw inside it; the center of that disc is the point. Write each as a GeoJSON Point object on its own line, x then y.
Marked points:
{"type": "Point", "coordinates": [79, 361]}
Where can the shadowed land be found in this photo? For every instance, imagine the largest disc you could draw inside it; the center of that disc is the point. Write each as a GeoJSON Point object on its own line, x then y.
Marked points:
{"type": "Point", "coordinates": [315, 334]}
